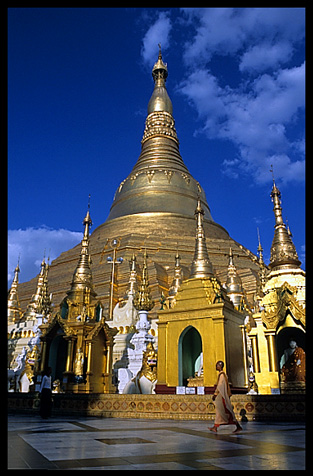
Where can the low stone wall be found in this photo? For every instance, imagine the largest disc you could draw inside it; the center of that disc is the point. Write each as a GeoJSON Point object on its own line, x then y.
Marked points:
{"type": "Point", "coordinates": [176, 407]}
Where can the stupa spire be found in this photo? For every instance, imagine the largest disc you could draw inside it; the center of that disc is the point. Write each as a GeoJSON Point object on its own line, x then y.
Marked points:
{"type": "Point", "coordinates": [159, 182]}
{"type": "Point", "coordinates": [201, 266]}
{"type": "Point", "coordinates": [14, 308]}
{"type": "Point", "coordinates": [82, 277]}
{"type": "Point", "coordinates": [261, 261]}
{"type": "Point", "coordinates": [177, 280]}
{"type": "Point", "coordinates": [46, 304]}
{"type": "Point", "coordinates": [283, 251]}
{"type": "Point", "coordinates": [35, 306]}
{"type": "Point", "coordinates": [234, 288]}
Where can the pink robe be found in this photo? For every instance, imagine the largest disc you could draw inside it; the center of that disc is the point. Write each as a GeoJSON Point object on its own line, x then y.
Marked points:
{"type": "Point", "coordinates": [223, 407]}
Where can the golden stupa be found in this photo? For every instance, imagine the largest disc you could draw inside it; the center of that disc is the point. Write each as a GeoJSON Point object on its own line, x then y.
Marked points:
{"type": "Point", "coordinates": [153, 209]}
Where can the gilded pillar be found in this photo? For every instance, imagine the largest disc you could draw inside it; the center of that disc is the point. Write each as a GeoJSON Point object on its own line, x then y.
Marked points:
{"type": "Point", "coordinates": [89, 353]}
{"type": "Point", "coordinates": [69, 358]}
{"type": "Point", "coordinates": [43, 355]}
{"type": "Point", "coordinates": [255, 353]}
{"type": "Point", "coordinates": [272, 354]}
{"type": "Point", "coordinates": [89, 373]}
{"type": "Point", "coordinates": [245, 354]}
{"type": "Point", "coordinates": [109, 358]}
{"type": "Point", "coordinates": [108, 385]}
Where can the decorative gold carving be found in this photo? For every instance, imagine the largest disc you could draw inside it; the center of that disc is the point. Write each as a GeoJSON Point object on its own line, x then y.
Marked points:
{"type": "Point", "coordinates": [186, 178]}
{"type": "Point", "coordinates": [215, 293]}
{"type": "Point", "coordinates": [143, 300]}
{"type": "Point", "coordinates": [57, 319]}
{"type": "Point", "coordinates": [133, 178]}
{"type": "Point", "coordinates": [150, 174]}
{"type": "Point", "coordinates": [284, 302]}
{"type": "Point", "coordinates": [169, 174]}
{"type": "Point", "coordinates": [121, 185]}
{"type": "Point", "coordinates": [159, 123]}
{"type": "Point", "coordinates": [195, 381]}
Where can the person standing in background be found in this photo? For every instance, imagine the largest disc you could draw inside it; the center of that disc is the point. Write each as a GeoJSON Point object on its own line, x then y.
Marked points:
{"type": "Point", "coordinates": [46, 394]}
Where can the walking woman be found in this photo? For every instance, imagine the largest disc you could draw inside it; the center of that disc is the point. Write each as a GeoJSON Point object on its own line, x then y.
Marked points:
{"type": "Point", "coordinates": [45, 394]}
{"type": "Point", "coordinates": [223, 407]}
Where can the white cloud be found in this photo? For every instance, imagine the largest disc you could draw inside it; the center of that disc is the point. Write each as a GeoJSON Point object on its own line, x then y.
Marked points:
{"type": "Point", "coordinates": [31, 244]}
{"type": "Point", "coordinates": [254, 117]}
{"type": "Point", "coordinates": [157, 33]}
{"type": "Point", "coordinates": [260, 57]}
{"type": "Point", "coordinates": [235, 30]}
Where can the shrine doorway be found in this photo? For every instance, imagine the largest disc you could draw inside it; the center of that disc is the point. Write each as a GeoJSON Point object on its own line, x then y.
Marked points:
{"type": "Point", "coordinates": [189, 351]}
{"type": "Point", "coordinates": [57, 355]}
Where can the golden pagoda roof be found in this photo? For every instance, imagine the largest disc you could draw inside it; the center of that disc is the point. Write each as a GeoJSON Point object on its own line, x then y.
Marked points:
{"type": "Point", "coordinates": [82, 277]}
{"type": "Point", "coordinates": [283, 251]}
{"type": "Point", "coordinates": [159, 182]}
{"type": "Point", "coordinates": [233, 282]}
{"type": "Point", "coordinates": [14, 308]}
{"type": "Point", "coordinates": [38, 300]}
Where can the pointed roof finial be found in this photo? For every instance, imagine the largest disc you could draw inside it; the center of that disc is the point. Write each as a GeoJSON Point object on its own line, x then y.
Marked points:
{"type": "Point", "coordinates": [82, 277]}
{"type": "Point", "coordinates": [177, 280]}
{"type": "Point", "coordinates": [261, 261]}
{"type": "Point", "coordinates": [159, 70]}
{"type": "Point", "coordinates": [35, 305]}
{"type": "Point", "coordinates": [260, 249]}
{"type": "Point", "coordinates": [234, 288]}
{"type": "Point", "coordinates": [283, 251]}
{"type": "Point", "coordinates": [201, 266]}
{"type": "Point", "coordinates": [87, 221]}
{"type": "Point", "coordinates": [14, 308]}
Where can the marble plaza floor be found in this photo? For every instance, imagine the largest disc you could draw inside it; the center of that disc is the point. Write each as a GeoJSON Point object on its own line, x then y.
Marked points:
{"type": "Point", "coordinates": [136, 444]}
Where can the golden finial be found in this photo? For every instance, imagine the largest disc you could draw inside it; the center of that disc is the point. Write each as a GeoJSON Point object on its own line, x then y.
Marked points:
{"type": "Point", "coordinates": [260, 249]}
{"type": "Point", "coordinates": [283, 251]}
{"type": "Point", "coordinates": [35, 305]}
{"type": "Point", "coordinates": [160, 53]}
{"type": "Point", "coordinates": [159, 70]}
{"type": "Point", "coordinates": [87, 223]}
{"type": "Point", "coordinates": [261, 261]}
{"type": "Point", "coordinates": [82, 276]}
{"type": "Point", "coordinates": [177, 280]}
{"type": "Point", "coordinates": [143, 300]}
{"type": "Point", "coordinates": [233, 283]}
{"type": "Point", "coordinates": [13, 307]}
{"type": "Point", "coordinates": [201, 266]}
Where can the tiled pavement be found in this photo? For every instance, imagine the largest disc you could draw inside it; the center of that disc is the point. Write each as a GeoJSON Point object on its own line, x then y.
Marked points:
{"type": "Point", "coordinates": [115, 443]}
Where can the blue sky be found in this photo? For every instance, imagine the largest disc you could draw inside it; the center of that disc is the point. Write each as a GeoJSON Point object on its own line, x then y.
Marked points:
{"type": "Point", "coordinates": [79, 82]}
